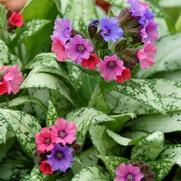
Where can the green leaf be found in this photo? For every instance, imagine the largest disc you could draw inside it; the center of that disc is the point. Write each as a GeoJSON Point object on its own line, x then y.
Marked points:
{"type": "Point", "coordinates": [166, 124]}
{"type": "Point", "coordinates": [172, 3]}
{"type": "Point", "coordinates": [118, 3]}
{"type": "Point", "coordinates": [85, 159]}
{"type": "Point", "coordinates": [112, 162]}
{"type": "Point", "coordinates": [3, 23]}
{"type": "Point", "coordinates": [38, 79]}
{"type": "Point", "coordinates": [24, 127]}
{"type": "Point", "coordinates": [172, 154]}
{"type": "Point", "coordinates": [38, 10]}
{"type": "Point", "coordinates": [52, 114]}
{"type": "Point", "coordinates": [118, 139]}
{"type": "Point", "coordinates": [161, 168]}
{"type": "Point", "coordinates": [81, 12]}
{"type": "Point", "coordinates": [168, 56]}
{"type": "Point", "coordinates": [3, 53]}
{"type": "Point", "coordinates": [148, 148]}
{"type": "Point", "coordinates": [91, 173]}
{"type": "Point", "coordinates": [142, 91]}
{"type": "Point", "coordinates": [84, 119]}
{"type": "Point", "coordinates": [104, 144]}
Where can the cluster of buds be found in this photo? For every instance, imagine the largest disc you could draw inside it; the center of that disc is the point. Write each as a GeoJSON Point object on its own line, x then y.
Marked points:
{"type": "Point", "coordinates": [116, 44]}
{"type": "Point", "coordinates": [55, 146]}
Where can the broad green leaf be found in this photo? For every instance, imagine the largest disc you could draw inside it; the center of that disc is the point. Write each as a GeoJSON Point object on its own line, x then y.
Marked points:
{"type": "Point", "coordinates": [172, 3]}
{"type": "Point", "coordinates": [3, 23]}
{"type": "Point", "coordinates": [161, 168]}
{"type": "Point", "coordinates": [172, 154]}
{"type": "Point", "coordinates": [112, 162]}
{"type": "Point", "coordinates": [166, 124]}
{"type": "Point", "coordinates": [148, 148]}
{"type": "Point", "coordinates": [35, 9]}
{"type": "Point", "coordinates": [168, 56]}
{"type": "Point", "coordinates": [3, 53]}
{"type": "Point", "coordinates": [27, 99]}
{"type": "Point", "coordinates": [38, 79]}
{"type": "Point", "coordinates": [91, 173]}
{"type": "Point", "coordinates": [84, 119]}
{"type": "Point", "coordinates": [24, 127]}
{"type": "Point", "coordinates": [118, 139]}
{"type": "Point", "coordinates": [178, 24]}
{"type": "Point", "coordinates": [104, 144]}
{"type": "Point", "coordinates": [81, 12]}
{"type": "Point", "coordinates": [52, 114]}
{"type": "Point", "coordinates": [85, 159]}
{"type": "Point", "coordinates": [142, 91]}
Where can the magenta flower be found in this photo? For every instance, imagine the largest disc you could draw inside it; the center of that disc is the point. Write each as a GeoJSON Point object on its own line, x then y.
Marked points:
{"type": "Point", "coordinates": [60, 158]}
{"type": "Point", "coordinates": [146, 55]}
{"type": "Point", "coordinates": [138, 8]}
{"type": "Point", "coordinates": [59, 49]}
{"type": "Point", "coordinates": [13, 78]}
{"type": "Point", "coordinates": [64, 131]}
{"type": "Point", "coordinates": [149, 32]}
{"type": "Point", "coordinates": [45, 140]}
{"type": "Point", "coordinates": [110, 29]}
{"type": "Point", "coordinates": [128, 173]}
{"type": "Point", "coordinates": [111, 67]}
{"type": "Point", "coordinates": [62, 29]}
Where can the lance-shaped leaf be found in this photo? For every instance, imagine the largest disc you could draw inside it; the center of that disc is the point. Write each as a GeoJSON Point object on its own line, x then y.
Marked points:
{"type": "Point", "coordinates": [148, 148]}
{"type": "Point", "coordinates": [3, 53]}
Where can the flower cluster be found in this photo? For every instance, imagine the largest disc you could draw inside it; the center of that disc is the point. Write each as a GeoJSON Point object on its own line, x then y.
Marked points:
{"type": "Point", "coordinates": [10, 79]}
{"type": "Point", "coordinates": [148, 32]}
{"type": "Point", "coordinates": [54, 146]}
{"type": "Point", "coordinates": [134, 172]}
{"type": "Point", "coordinates": [114, 48]}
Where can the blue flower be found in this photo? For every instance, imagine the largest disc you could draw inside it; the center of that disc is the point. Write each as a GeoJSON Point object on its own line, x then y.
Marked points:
{"type": "Point", "coordinates": [60, 158]}
{"type": "Point", "coordinates": [110, 29]}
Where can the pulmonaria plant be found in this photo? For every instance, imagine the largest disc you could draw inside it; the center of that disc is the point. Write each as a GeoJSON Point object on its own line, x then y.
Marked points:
{"type": "Point", "coordinates": [125, 41]}
{"type": "Point", "coordinates": [55, 146]}
{"type": "Point", "coordinates": [10, 79]}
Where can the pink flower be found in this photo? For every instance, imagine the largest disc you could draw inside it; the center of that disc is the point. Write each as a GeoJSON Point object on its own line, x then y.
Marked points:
{"type": "Point", "coordinates": [111, 67]}
{"type": "Point", "coordinates": [149, 32]}
{"type": "Point", "coordinates": [64, 131]}
{"type": "Point", "coordinates": [92, 62]}
{"type": "Point", "coordinates": [128, 172]}
{"type": "Point", "coordinates": [11, 79]}
{"type": "Point", "coordinates": [59, 49]}
{"type": "Point", "coordinates": [16, 19]}
{"type": "Point", "coordinates": [78, 49]}
{"type": "Point", "coordinates": [126, 75]}
{"type": "Point", "coordinates": [45, 140]}
{"type": "Point", "coordinates": [146, 55]}
{"type": "Point", "coordinates": [3, 87]}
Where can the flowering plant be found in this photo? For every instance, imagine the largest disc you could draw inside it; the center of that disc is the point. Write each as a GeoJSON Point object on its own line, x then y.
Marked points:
{"type": "Point", "coordinates": [88, 94]}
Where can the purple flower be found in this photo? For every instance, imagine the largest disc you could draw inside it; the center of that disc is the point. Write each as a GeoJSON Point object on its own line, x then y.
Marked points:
{"type": "Point", "coordinates": [149, 32]}
{"type": "Point", "coordinates": [128, 173]}
{"type": "Point", "coordinates": [110, 29]}
{"type": "Point", "coordinates": [78, 49]}
{"type": "Point", "coordinates": [62, 29]}
{"type": "Point", "coordinates": [148, 15]}
{"type": "Point", "coordinates": [138, 8]}
{"type": "Point", "coordinates": [111, 67]}
{"type": "Point", "coordinates": [60, 158]}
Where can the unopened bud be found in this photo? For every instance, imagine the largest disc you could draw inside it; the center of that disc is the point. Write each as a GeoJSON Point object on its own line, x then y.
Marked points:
{"type": "Point", "coordinates": [93, 28]}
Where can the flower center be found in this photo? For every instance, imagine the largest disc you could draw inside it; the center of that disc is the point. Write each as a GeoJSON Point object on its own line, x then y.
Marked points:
{"type": "Point", "coordinates": [81, 48]}
{"type": "Point", "coordinates": [106, 31]}
{"type": "Point", "coordinates": [59, 155]}
{"type": "Point", "coordinates": [111, 64]}
{"type": "Point", "coordinates": [47, 141]}
{"type": "Point", "coordinates": [62, 134]}
{"type": "Point", "coordinates": [130, 177]}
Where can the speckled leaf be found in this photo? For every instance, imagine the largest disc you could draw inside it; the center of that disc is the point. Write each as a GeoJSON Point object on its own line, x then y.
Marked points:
{"type": "Point", "coordinates": [91, 173]}
{"type": "Point", "coordinates": [118, 3]}
{"type": "Point", "coordinates": [51, 114]}
{"type": "Point", "coordinates": [3, 53]}
{"type": "Point", "coordinates": [161, 168]}
{"type": "Point", "coordinates": [142, 91]}
{"type": "Point", "coordinates": [84, 118]}
{"type": "Point", "coordinates": [111, 162]}
{"type": "Point", "coordinates": [81, 12]}
{"type": "Point", "coordinates": [172, 154]}
{"type": "Point", "coordinates": [24, 127]}
{"type": "Point", "coordinates": [148, 148]}
{"type": "Point", "coordinates": [3, 22]}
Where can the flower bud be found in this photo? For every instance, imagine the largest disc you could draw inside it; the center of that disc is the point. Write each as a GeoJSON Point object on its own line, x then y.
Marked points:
{"type": "Point", "coordinates": [93, 27]}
